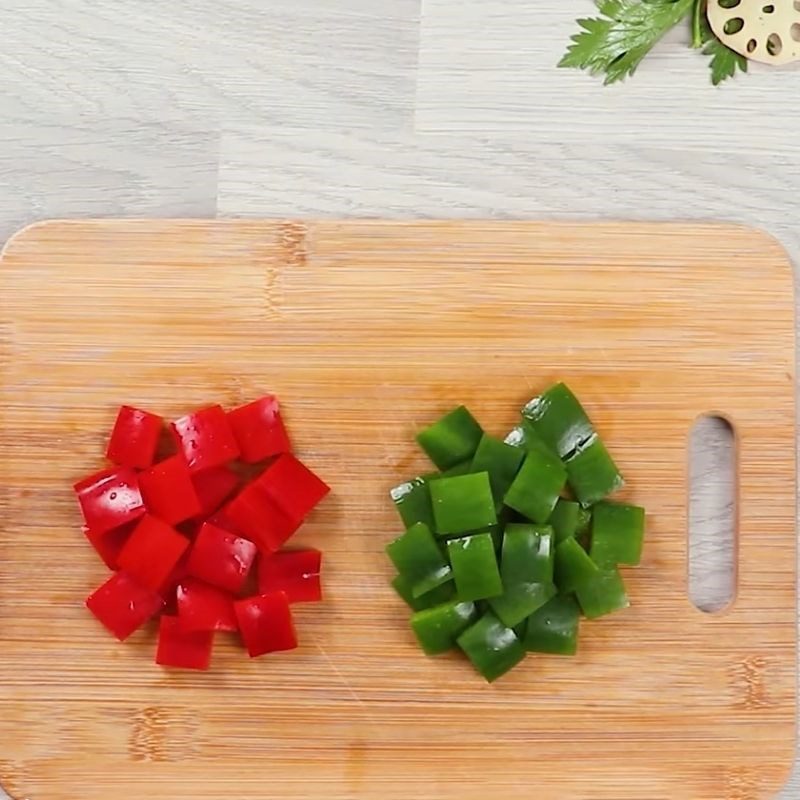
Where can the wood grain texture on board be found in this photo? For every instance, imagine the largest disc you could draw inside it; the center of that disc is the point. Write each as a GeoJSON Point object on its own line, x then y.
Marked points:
{"type": "Point", "coordinates": [367, 330]}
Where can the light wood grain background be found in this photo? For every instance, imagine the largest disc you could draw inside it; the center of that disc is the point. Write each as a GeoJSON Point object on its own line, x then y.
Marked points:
{"type": "Point", "coordinates": [401, 108]}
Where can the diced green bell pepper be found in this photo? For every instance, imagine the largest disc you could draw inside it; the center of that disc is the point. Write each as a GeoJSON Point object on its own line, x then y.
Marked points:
{"type": "Point", "coordinates": [559, 419]}
{"type": "Point", "coordinates": [584, 521]}
{"type": "Point", "coordinates": [451, 440]}
{"type": "Point", "coordinates": [617, 534]}
{"type": "Point", "coordinates": [536, 488]}
{"type": "Point", "coordinates": [517, 603]}
{"type": "Point", "coordinates": [462, 504]}
{"type": "Point", "coordinates": [593, 475]}
{"type": "Point", "coordinates": [573, 566]}
{"type": "Point", "coordinates": [524, 437]}
{"type": "Point", "coordinates": [412, 500]}
{"type": "Point", "coordinates": [519, 630]}
{"type": "Point", "coordinates": [419, 559]}
{"type": "Point", "coordinates": [528, 553]}
{"type": "Point", "coordinates": [554, 627]}
{"type": "Point", "coordinates": [492, 648]}
{"type": "Point", "coordinates": [526, 570]}
{"type": "Point", "coordinates": [515, 437]}
{"type": "Point", "coordinates": [437, 628]}
{"type": "Point", "coordinates": [464, 468]}
{"type": "Point", "coordinates": [441, 594]}
{"type": "Point", "coordinates": [475, 567]}
{"type": "Point", "coordinates": [564, 519]}
{"type": "Point", "coordinates": [603, 594]}
{"type": "Point", "coordinates": [496, 532]}
{"type": "Point", "coordinates": [501, 461]}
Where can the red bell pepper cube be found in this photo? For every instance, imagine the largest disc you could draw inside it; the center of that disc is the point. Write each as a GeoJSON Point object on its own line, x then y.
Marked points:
{"type": "Point", "coordinates": [260, 519]}
{"type": "Point", "coordinates": [294, 572]}
{"type": "Point", "coordinates": [177, 574]}
{"type": "Point", "coordinates": [259, 430]}
{"type": "Point", "coordinates": [134, 438]}
{"type": "Point", "coordinates": [110, 498]}
{"type": "Point", "coordinates": [213, 487]}
{"type": "Point", "coordinates": [108, 544]}
{"type": "Point", "coordinates": [205, 438]}
{"type": "Point", "coordinates": [220, 520]}
{"type": "Point", "coordinates": [152, 552]}
{"type": "Point", "coordinates": [168, 491]}
{"type": "Point", "coordinates": [265, 622]}
{"type": "Point", "coordinates": [221, 558]}
{"type": "Point", "coordinates": [178, 647]}
{"type": "Point", "coordinates": [122, 605]}
{"type": "Point", "coordinates": [202, 607]}
{"type": "Point", "coordinates": [292, 486]}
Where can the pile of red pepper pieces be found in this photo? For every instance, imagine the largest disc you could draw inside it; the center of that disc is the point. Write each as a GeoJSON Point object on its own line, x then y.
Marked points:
{"type": "Point", "coordinates": [186, 535]}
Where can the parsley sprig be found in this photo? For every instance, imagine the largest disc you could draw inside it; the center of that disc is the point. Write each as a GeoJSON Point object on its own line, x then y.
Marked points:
{"type": "Point", "coordinates": [616, 42]}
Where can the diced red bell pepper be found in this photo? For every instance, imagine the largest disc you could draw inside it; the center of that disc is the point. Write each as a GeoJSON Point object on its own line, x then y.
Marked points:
{"type": "Point", "coordinates": [134, 438]}
{"type": "Point", "coordinates": [260, 519]}
{"type": "Point", "coordinates": [265, 622]}
{"type": "Point", "coordinates": [189, 528]}
{"type": "Point", "coordinates": [108, 544]}
{"type": "Point", "coordinates": [178, 647]}
{"type": "Point", "coordinates": [214, 486]}
{"type": "Point", "coordinates": [226, 523]}
{"type": "Point", "coordinates": [152, 552]}
{"type": "Point", "coordinates": [110, 498]}
{"type": "Point", "coordinates": [259, 430]}
{"type": "Point", "coordinates": [205, 438]}
{"type": "Point", "coordinates": [177, 574]}
{"type": "Point", "coordinates": [221, 558]}
{"type": "Point", "coordinates": [292, 486]}
{"type": "Point", "coordinates": [168, 491]}
{"type": "Point", "coordinates": [294, 572]}
{"type": "Point", "coordinates": [122, 605]}
{"type": "Point", "coordinates": [202, 607]}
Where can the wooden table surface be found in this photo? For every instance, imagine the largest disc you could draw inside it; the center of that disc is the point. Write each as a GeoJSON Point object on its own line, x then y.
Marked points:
{"type": "Point", "coordinates": [396, 108]}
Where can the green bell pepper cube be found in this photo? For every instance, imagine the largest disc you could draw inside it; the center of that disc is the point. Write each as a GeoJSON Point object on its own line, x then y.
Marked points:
{"type": "Point", "coordinates": [516, 437]}
{"type": "Point", "coordinates": [564, 519]}
{"type": "Point", "coordinates": [451, 440]}
{"type": "Point", "coordinates": [437, 628]}
{"type": "Point", "coordinates": [603, 594]}
{"type": "Point", "coordinates": [492, 647]}
{"type": "Point", "coordinates": [559, 419]}
{"type": "Point", "coordinates": [464, 468]}
{"type": "Point", "coordinates": [593, 475]}
{"type": "Point", "coordinates": [475, 567]}
{"type": "Point", "coordinates": [528, 553]}
{"type": "Point", "coordinates": [573, 566]}
{"type": "Point", "coordinates": [462, 504]}
{"type": "Point", "coordinates": [554, 627]}
{"type": "Point", "coordinates": [617, 534]}
{"type": "Point", "coordinates": [419, 559]}
{"type": "Point", "coordinates": [441, 594]}
{"type": "Point", "coordinates": [496, 532]}
{"type": "Point", "coordinates": [412, 500]}
{"type": "Point", "coordinates": [526, 570]}
{"type": "Point", "coordinates": [536, 488]}
{"type": "Point", "coordinates": [501, 461]}
{"type": "Point", "coordinates": [584, 521]}
{"type": "Point", "coordinates": [524, 437]}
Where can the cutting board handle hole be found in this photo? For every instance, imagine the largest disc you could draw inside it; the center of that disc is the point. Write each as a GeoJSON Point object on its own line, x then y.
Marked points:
{"type": "Point", "coordinates": [712, 550]}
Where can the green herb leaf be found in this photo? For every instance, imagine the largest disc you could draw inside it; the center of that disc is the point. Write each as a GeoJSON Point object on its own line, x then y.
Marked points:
{"type": "Point", "coordinates": [724, 61]}
{"type": "Point", "coordinates": [616, 43]}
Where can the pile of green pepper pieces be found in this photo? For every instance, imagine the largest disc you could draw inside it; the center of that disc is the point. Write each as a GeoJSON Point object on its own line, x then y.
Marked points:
{"type": "Point", "coordinates": [510, 541]}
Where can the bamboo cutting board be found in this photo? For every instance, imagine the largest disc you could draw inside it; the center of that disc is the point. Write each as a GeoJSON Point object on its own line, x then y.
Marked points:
{"type": "Point", "coordinates": [367, 330]}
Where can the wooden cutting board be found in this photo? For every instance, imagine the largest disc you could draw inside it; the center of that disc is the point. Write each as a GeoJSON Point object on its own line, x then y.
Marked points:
{"type": "Point", "coordinates": [368, 330]}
